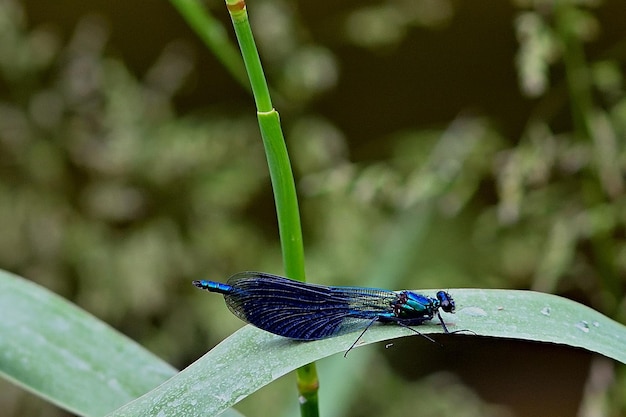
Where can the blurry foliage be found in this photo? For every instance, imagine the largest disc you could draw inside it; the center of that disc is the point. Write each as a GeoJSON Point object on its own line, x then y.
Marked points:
{"type": "Point", "coordinates": [108, 198]}
{"type": "Point", "coordinates": [389, 22]}
{"type": "Point", "coordinates": [439, 394]}
{"type": "Point", "coordinates": [111, 199]}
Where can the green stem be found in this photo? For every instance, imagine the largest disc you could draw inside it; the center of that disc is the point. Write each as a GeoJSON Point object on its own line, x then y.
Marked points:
{"type": "Point", "coordinates": [239, 17]}
{"type": "Point", "coordinates": [284, 194]}
{"type": "Point", "coordinates": [282, 183]}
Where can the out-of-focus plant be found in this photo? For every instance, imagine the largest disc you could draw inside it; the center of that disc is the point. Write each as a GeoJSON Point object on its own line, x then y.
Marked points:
{"type": "Point", "coordinates": [562, 192]}
{"type": "Point", "coordinates": [110, 199]}
{"type": "Point", "coordinates": [107, 197]}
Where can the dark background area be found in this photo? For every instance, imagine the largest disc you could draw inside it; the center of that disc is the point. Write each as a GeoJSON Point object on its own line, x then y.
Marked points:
{"type": "Point", "coordinates": [356, 143]}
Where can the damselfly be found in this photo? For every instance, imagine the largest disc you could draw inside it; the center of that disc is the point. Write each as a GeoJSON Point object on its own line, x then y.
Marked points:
{"type": "Point", "coordinates": [303, 311]}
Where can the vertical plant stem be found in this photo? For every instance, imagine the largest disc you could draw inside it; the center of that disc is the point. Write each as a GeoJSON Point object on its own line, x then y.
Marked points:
{"type": "Point", "coordinates": [282, 183]}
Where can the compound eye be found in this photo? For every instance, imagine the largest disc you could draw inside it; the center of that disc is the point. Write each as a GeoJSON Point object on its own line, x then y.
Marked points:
{"type": "Point", "coordinates": [446, 301]}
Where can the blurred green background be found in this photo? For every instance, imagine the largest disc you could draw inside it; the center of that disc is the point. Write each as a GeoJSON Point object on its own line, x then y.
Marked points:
{"type": "Point", "coordinates": [435, 143]}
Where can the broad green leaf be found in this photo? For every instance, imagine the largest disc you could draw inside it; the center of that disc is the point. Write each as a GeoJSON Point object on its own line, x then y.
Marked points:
{"type": "Point", "coordinates": [65, 355]}
{"type": "Point", "coordinates": [252, 358]}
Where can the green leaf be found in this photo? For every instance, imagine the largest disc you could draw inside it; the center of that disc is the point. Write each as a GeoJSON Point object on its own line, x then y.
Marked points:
{"type": "Point", "coordinates": [62, 353]}
{"type": "Point", "coordinates": [252, 358]}
{"type": "Point", "coordinates": [65, 355]}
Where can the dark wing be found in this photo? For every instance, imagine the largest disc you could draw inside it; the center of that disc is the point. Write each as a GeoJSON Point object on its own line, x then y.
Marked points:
{"type": "Point", "coordinates": [304, 311]}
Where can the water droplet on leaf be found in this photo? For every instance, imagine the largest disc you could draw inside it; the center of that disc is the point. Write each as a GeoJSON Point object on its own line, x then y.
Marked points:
{"type": "Point", "coordinates": [583, 326]}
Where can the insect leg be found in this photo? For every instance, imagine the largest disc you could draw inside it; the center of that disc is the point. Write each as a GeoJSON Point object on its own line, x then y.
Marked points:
{"type": "Point", "coordinates": [360, 336]}
{"type": "Point", "coordinates": [419, 333]}
{"type": "Point", "coordinates": [445, 328]}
